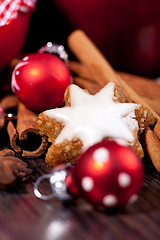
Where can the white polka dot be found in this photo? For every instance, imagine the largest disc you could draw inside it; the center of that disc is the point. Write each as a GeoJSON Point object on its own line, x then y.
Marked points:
{"type": "Point", "coordinates": [133, 199]}
{"type": "Point", "coordinates": [17, 73]}
{"type": "Point", "coordinates": [110, 200]}
{"type": "Point", "coordinates": [124, 180]}
{"type": "Point", "coordinates": [87, 184]}
{"type": "Point", "coordinates": [101, 155]}
{"type": "Point", "coordinates": [25, 58]}
{"type": "Point", "coordinates": [122, 142]}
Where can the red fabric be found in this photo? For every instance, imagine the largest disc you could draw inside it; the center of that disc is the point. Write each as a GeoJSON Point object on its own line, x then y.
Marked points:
{"type": "Point", "coordinates": [9, 9]}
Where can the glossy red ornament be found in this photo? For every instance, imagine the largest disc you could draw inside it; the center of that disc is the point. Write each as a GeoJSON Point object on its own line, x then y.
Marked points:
{"type": "Point", "coordinates": [108, 174]}
{"type": "Point", "coordinates": [40, 80]}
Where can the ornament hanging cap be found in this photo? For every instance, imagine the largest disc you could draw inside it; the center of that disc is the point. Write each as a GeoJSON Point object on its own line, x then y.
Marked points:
{"type": "Point", "coordinates": [9, 9]}
{"type": "Point", "coordinates": [54, 48]}
{"type": "Point", "coordinates": [57, 184]}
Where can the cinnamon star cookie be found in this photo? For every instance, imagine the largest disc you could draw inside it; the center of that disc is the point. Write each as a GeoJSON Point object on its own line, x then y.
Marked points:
{"type": "Point", "coordinates": [87, 119]}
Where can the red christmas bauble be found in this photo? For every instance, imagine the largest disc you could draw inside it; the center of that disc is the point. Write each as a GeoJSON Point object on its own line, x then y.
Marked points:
{"type": "Point", "coordinates": [40, 80]}
{"type": "Point", "coordinates": [108, 174]}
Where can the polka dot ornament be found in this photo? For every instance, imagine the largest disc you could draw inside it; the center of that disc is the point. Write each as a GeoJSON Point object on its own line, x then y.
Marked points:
{"type": "Point", "coordinates": [109, 174]}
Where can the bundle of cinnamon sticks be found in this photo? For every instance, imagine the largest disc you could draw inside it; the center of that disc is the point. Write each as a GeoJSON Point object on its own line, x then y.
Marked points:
{"type": "Point", "coordinates": [24, 140]}
{"type": "Point", "coordinates": [24, 137]}
{"type": "Point", "coordinates": [93, 72]}
{"type": "Point", "coordinates": [25, 129]}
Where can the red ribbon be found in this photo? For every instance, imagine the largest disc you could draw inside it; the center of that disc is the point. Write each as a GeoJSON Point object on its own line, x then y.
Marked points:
{"type": "Point", "coordinates": [9, 9]}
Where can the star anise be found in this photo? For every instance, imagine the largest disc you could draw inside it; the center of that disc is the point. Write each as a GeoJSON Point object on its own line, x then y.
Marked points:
{"type": "Point", "coordinates": [11, 168]}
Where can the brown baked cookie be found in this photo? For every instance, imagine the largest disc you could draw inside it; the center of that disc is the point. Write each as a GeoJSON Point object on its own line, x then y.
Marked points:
{"type": "Point", "coordinates": [87, 119]}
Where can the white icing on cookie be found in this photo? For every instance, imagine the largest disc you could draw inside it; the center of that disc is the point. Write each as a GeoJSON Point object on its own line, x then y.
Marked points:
{"type": "Point", "coordinates": [94, 117]}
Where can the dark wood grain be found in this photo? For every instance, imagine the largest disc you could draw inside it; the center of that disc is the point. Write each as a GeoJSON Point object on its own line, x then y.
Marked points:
{"type": "Point", "coordinates": [24, 217]}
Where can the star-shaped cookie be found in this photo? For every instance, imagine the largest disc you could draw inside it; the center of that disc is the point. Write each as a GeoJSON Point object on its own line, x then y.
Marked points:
{"type": "Point", "coordinates": [87, 119]}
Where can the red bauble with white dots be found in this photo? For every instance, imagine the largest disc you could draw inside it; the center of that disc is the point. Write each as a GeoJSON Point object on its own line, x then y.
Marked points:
{"type": "Point", "coordinates": [40, 80]}
{"type": "Point", "coordinates": [109, 174]}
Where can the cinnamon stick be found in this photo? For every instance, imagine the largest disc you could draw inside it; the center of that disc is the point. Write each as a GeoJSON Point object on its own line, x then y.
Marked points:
{"type": "Point", "coordinates": [25, 135]}
{"type": "Point", "coordinates": [92, 87]}
{"type": "Point", "coordinates": [2, 121]}
{"type": "Point", "coordinates": [81, 70]}
{"type": "Point", "coordinates": [157, 129]}
{"type": "Point", "coordinates": [147, 88]}
{"type": "Point", "coordinates": [153, 147]}
{"type": "Point", "coordinates": [7, 102]}
{"type": "Point", "coordinates": [13, 137]}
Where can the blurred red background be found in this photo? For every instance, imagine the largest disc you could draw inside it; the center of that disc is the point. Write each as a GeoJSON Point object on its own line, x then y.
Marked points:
{"type": "Point", "coordinates": [12, 38]}
{"type": "Point", "coordinates": [126, 31]}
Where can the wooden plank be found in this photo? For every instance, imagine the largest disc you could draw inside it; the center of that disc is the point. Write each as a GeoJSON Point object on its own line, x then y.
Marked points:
{"type": "Point", "coordinates": [24, 217]}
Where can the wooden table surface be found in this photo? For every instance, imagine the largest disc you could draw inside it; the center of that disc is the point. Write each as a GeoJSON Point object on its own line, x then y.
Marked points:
{"type": "Point", "coordinates": [25, 217]}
